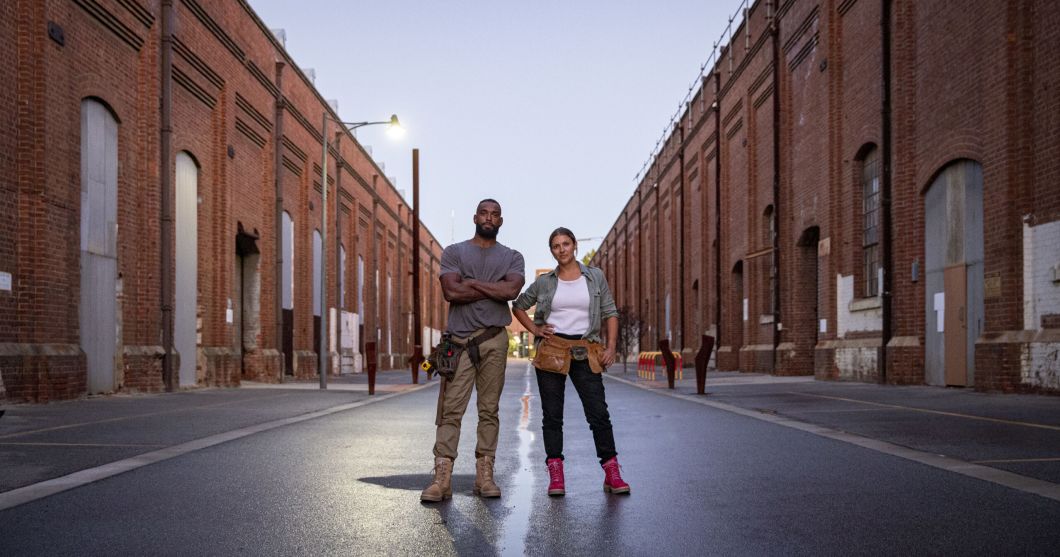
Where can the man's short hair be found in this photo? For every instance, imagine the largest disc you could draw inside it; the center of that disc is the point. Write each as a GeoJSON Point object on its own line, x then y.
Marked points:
{"type": "Point", "coordinates": [488, 200]}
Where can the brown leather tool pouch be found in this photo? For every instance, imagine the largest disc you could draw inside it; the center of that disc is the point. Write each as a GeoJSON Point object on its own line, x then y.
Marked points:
{"type": "Point", "coordinates": [553, 354]}
{"type": "Point", "coordinates": [596, 356]}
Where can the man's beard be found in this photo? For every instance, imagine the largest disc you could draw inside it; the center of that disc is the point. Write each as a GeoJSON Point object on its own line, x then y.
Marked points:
{"type": "Point", "coordinates": [489, 234]}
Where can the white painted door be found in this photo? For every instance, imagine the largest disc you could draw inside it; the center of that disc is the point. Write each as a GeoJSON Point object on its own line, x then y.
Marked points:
{"type": "Point", "coordinates": [187, 267]}
{"type": "Point", "coordinates": [97, 310]}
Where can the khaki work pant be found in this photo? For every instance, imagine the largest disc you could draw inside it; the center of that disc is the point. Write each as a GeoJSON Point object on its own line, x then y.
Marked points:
{"type": "Point", "coordinates": [488, 381]}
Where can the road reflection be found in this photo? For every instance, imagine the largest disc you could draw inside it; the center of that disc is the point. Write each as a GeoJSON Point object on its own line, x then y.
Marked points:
{"type": "Point", "coordinates": [517, 523]}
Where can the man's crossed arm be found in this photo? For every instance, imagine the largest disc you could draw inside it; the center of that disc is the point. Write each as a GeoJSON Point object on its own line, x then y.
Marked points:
{"type": "Point", "coordinates": [459, 290]}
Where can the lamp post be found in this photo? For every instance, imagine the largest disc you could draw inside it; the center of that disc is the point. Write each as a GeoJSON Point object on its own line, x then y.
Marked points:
{"type": "Point", "coordinates": [395, 125]}
{"type": "Point", "coordinates": [417, 326]}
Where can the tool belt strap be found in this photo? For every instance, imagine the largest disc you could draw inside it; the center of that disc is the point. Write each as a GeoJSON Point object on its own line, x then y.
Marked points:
{"type": "Point", "coordinates": [472, 343]}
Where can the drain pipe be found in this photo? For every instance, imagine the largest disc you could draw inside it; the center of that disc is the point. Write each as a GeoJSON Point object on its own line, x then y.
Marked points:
{"type": "Point", "coordinates": [885, 188]}
{"type": "Point", "coordinates": [277, 160]}
{"type": "Point", "coordinates": [165, 169]}
{"type": "Point", "coordinates": [774, 26]}
{"type": "Point", "coordinates": [717, 209]}
{"type": "Point", "coordinates": [640, 263]}
{"type": "Point", "coordinates": [681, 231]}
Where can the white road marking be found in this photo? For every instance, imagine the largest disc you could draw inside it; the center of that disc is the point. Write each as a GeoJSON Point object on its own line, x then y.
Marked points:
{"type": "Point", "coordinates": [40, 490]}
{"type": "Point", "coordinates": [1025, 484]}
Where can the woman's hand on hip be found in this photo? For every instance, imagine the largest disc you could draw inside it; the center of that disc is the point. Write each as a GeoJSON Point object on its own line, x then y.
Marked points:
{"type": "Point", "coordinates": [608, 358]}
{"type": "Point", "coordinates": [545, 331]}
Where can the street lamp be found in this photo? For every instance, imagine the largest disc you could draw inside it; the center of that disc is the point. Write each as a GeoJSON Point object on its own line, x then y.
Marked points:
{"type": "Point", "coordinates": [395, 130]}
{"type": "Point", "coordinates": [417, 325]}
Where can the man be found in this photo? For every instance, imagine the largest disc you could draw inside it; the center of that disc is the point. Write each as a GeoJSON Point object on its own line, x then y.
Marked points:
{"type": "Point", "coordinates": [479, 276]}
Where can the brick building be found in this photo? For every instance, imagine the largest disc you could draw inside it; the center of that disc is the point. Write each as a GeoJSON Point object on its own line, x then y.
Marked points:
{"type": "Point", "coordinates": [160, 179]}
{"type": "Point", "coordinates": [861, 190]}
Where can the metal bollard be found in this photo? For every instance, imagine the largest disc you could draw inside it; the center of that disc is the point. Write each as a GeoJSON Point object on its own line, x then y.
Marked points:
{"type": "Point", "coordinates": [702, 359]}
{"type": "Point", "coordinates": [372, 362]}
{"type": "Point", "coordinates": [415, 361]}
{"type": "Point", "coordinates": [668, 358]}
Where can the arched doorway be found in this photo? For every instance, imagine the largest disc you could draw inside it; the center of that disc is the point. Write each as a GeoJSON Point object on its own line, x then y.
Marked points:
{"type": "Point", "coordinates": [953, 263]}
{"type": "Point", "coordinates": [287, 292]}
{"type": "Point", "coordinates": [737, 317]}
{"type": "Point", "coordinates": [186, 266]}
{"type": "Point", "coordinates": [806, 316]}
{"type": "Point", "coordinates": [97, 308]}
{"type": "Point", "coordinates": [318, 304]}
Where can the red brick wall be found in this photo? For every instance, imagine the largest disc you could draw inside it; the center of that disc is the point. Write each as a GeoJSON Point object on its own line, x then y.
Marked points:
{"type": "Point", "coordinates": [224, 116]}
{"type": "Point", "coordinates": [983, 90]}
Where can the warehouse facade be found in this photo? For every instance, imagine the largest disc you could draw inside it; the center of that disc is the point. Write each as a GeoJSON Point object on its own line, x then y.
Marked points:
{"type": "Point", "coordinates": [161, 185]}
{"type": "Point", "coordinates": [860, 190]}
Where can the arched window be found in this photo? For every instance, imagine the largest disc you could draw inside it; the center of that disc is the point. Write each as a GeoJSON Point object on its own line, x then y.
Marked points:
{"type": "Point", "coordinates": [342, 277]}
{"type": "Point", "coordinates": [317, 258]}
{"type": "Point", "coordinates": [870, 238]}
{"type": "Point", "coordinates": [360, 287]}
{"type": "Point", "coordinates": [771, 231]}
{"type": "Point", "coordinates": [287, 288]}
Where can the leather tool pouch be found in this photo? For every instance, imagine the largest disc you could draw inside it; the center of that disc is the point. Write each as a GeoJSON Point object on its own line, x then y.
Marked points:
{"type": "Point", "coordinates": [554, 356]}
{"type": "Point", "coordinates": [596, 354]}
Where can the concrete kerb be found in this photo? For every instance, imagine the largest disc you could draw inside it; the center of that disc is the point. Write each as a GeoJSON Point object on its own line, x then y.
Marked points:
{"type": "Point", "coordinates": [1025, 484]}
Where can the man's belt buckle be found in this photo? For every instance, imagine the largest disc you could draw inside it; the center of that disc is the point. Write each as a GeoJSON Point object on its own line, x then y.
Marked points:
{"type": "Point", "coordinates": [579, 352]}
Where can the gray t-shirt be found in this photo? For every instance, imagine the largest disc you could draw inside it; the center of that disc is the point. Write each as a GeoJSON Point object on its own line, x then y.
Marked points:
{"type": "Point", "coordinates": [487, 265]}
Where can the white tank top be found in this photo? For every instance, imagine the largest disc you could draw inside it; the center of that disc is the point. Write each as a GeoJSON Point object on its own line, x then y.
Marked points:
{"type": "Point", "coordinates": [570, 307]}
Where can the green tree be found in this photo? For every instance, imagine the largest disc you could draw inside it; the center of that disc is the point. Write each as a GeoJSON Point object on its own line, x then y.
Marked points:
{"type": "Point", "coordinates": [588, 257]}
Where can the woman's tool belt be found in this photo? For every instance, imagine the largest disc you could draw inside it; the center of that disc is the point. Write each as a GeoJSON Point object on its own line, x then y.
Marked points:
{"type": "Point", "coordinates": [445, 357]}
{"type": "Point", "coordinates": [555, 353]}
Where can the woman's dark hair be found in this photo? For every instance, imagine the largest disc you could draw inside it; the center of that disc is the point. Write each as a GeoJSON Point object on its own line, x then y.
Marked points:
{"type": "Point", "coordinates": [562, 231]}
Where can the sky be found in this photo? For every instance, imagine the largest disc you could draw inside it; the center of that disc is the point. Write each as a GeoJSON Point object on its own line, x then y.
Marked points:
{"type": "Point", "coordinates": [551, 107]}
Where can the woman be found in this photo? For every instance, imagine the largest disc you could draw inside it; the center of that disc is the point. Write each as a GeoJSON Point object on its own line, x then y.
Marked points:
{"type": "Point", "coordinates": [572, 300]}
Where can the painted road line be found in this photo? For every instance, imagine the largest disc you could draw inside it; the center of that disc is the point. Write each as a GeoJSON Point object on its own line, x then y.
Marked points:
{"type": "Point", "coordinates": [1033, 486]}
{"type": "Point", "coordinates": [98, 445]}
{"type": "Point", "coordinates": [40, 490]}
{"type": "Point", "coordinates": [927, 411]}
{"type": "Point", "coordinates": [134, 416]}
{"type": "Point", "coordinates": [1015, 460]}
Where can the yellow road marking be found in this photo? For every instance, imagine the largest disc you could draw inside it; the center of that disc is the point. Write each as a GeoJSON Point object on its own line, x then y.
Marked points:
{"type": "Point", "coordinates": [122, 418]}
{"type": "Point", "coordinates": [939, 412]}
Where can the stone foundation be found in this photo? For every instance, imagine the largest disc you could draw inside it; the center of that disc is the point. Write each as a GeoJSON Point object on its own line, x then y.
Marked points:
{"type": "Point", "coordinates": [305, 364]}
{"type": "Point", "coordinates": [41, 372]}
{"type": "Point", "coordinates": [223, 367]}
{"type": "Point", "coordinates": [142, 369]}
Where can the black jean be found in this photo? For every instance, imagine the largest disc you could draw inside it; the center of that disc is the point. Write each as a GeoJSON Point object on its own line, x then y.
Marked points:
{"type": "Point", "coordinates": [590, 387]}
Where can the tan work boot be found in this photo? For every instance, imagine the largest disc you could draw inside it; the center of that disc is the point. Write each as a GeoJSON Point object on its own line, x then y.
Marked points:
{"type": "Point", "coordinates": [484, 484]}
{"type": "Point", "coordinates": [441, 488]}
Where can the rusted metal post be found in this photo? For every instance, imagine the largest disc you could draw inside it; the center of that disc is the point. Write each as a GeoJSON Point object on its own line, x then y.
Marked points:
{"type": "Point", "coordinates": [706, 345]}
{"type": "Point", "coordinates": [372, 362]}
{"type": "Point", "coordinates": [669, 360]}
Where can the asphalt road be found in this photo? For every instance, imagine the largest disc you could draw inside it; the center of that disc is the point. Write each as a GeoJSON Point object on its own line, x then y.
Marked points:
{"type": "Point", "coordinates": [704, 482]}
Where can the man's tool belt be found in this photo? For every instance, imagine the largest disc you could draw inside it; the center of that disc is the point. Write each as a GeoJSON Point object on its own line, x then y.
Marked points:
{"type": "Point", "coordinates": [554, 354]}
{"type": "Point", "coordinates": [445, 357]}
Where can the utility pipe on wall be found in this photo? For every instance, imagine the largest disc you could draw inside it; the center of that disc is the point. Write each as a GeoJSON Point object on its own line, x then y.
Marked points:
{"type": "Point", "coordinates": [165, 170]}
{"type": "Point", "coordinates": [885, 188]}
{"type": "Point", "coordinates": [277, 156]}
{"type": "Point", "coordinates": [774, 28]}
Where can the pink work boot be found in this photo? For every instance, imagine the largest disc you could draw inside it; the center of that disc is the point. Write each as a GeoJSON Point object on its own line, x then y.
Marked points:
{"type": "Point", "coordinates": [613, 482]}
{"type": "Point", "coordinates": [555, 476]}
